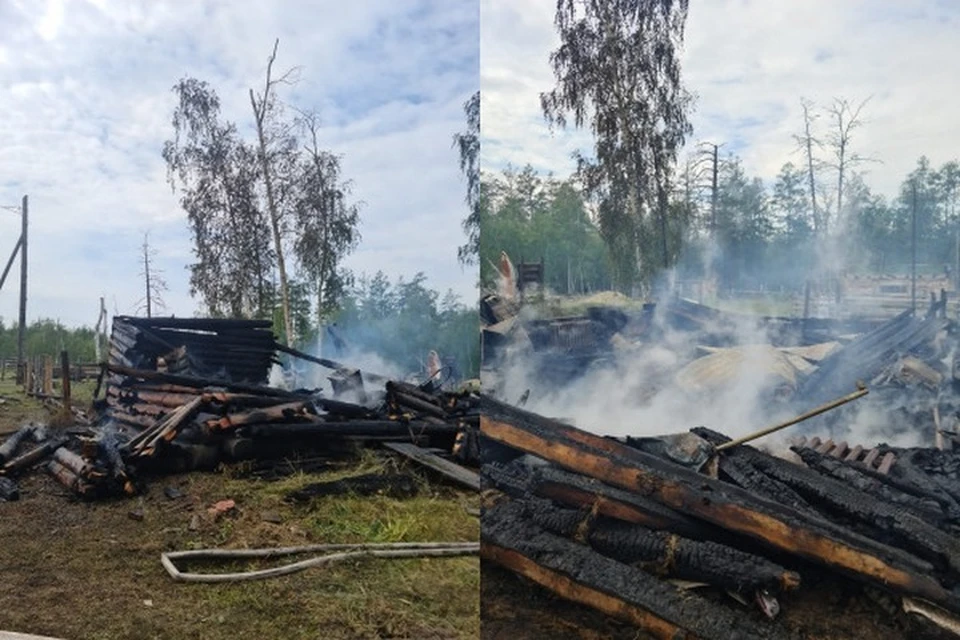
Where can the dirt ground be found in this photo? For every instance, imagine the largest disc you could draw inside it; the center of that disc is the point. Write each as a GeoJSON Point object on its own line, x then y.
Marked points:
{"type": "Point", "coordinates": [513, 608]}
{"type": "Point", "coordinates": [89, 571]}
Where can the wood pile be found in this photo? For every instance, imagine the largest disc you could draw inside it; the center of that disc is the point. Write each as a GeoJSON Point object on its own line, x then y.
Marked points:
{"type": "Point", "coordinates": [634, 534]}
{"type": "Point", "coordinates": [189, 394]}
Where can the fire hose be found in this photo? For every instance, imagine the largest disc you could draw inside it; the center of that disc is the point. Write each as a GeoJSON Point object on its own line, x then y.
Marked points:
{"type": "Point", "coordinates": [334, 553]}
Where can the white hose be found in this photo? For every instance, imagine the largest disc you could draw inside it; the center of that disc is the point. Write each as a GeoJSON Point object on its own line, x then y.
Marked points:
{"type": "Point", "coordinates": [344, 552]}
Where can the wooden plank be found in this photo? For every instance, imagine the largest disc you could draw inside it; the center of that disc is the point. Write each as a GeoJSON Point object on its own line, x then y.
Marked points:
{"type": "Point", "coordinates": [719, 503]}
{"type": "Point", "coordinates": [453, 471]}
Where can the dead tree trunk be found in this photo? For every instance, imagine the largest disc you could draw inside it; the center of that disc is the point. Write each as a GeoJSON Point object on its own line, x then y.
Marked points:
{"type": "Point", "coordinates": [260, 114]}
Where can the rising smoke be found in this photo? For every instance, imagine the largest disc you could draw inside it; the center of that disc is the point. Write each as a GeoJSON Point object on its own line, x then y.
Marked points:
{"type": "Point", "coordinates": [659, 380]}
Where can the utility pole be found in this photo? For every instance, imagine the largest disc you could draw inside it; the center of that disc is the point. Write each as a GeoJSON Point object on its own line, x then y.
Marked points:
{"type": "Point", "coordinates": [713, 192]}
{"type": "Point", "coordinates": [22, 328]}
{"type": "Point", "coordinates": [913, 250]}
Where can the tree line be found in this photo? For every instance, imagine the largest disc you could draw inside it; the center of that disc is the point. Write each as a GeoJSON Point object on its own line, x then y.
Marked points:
{"type": "Point", "coordinates": [48, 338]}
{"type": "Point", "coordinates": [617, 74]}
{"type": "Point", "coordinates": [402, 322]}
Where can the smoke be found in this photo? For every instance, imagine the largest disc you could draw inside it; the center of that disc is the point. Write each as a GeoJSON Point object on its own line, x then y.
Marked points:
{"type": "Point", "coordinates": [654, 387]}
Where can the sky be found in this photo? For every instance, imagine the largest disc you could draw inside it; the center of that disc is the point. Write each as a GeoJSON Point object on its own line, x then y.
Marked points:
{"type": "Point", "coordinates": [86, 103]}
{"type": "Point", "coordinates": [749, 62]}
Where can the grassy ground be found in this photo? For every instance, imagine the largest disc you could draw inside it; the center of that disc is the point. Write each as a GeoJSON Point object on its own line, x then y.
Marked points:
{"type": "Point", "coordinates": [90, 571]}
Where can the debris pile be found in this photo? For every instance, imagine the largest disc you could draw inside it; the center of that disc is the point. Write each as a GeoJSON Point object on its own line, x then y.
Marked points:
{"type": "Point", "coordinates": [695, 535]}
{"type": "Point", "coordinates": [633, 532]}
{"type": "Point", "coordinates": [189, 394]}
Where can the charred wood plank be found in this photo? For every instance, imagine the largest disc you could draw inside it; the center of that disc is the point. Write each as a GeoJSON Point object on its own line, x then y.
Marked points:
{"type": "Point", "coordinates": [32, 457]}
{"type": "Point", "coordinates": [902, 526]}
{"type": "Point", "coordinates": [577, 573]}
{"type": "Point", "coordinates": [663, 553]}
{"type": "Point", "coordinates": [583, 492]}
{"type": "Point", "coordinates": [727, 506]}
{"type": "Point", "coordinates": [373, 428]}
{"type": "Point", "coordinates": [746, 476]}
{"type": "Point", "coordinates": [275, 413]}
{"type": "Point", "coordinates": [922, 505]}
{"type": "Point", "coordinates": [200, 383]}
{"type": "Point", "coordinates": [455, 472]}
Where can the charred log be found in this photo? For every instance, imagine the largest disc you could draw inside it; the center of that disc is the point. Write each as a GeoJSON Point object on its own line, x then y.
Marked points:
{"type": "Point", "coordinates": [899, 526]}
{"type": "Point", "coordinates": [576, 572]}
{"type": "Point", "coordinates": [773, 524]}
{"type": "Point", "coordinates": [665, 554]}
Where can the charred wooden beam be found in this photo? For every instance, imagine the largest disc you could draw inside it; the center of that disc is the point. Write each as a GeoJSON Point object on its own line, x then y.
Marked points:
{"type": "Point", "coordinates": [580, 491]}
{"type": "Point", "coordinates": [32, 457]}
{"type": "Point", "coordinates": [9, 448]}
{"type": "Point", "coordinates": [276, 413]}
{"type": "Point", "coordinates": [455, 472]}
{"type": "Point", "coordinates": [72, 461]}
{"type": "Point", "coordinates": [744, 475]}
{"type": "Point", "coordinates": [923, 505]}
{"type": "Point", "coordinates": [727, 506]}
{"type": "Point", "coordinates": [388, 428]}
{"type": "Point", "coordinates": [907, 530]}
{"type": "Point", "coordinates": [665, 554]}
{"type": "Point", "coordinates": [200, 383]}
{"type": "Point", "coordinates": [68, 478]}
{"type": "Point", "coordinates": [577, 573]}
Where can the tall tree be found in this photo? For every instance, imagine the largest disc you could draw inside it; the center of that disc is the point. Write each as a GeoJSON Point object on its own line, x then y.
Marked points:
{"type": "Point", "coordinates": [217, 175]}
{"type": "Point", "coordinates": [618, 67]}
{"type": "Point", "coordinates": [467, 144]}
{"type": "Point", "coordinates": [327, 222]}
{"type": "Point", "coordinates": [789, 202]}
{"type": "Point", "coordinates": [264, 106]}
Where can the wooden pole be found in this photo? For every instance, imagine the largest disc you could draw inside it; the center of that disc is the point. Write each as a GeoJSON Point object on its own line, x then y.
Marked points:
{"type": "Point", "coordinates": [862, 391]}
{"type": "Point", "coordinates": [65, 369]}
{"type": "Point", "coordinates": [913, 251]}
{"type": "Point", "coordinates": [28, 376]}
{"type": "Point", "coordinates": [13, 256]}
{"type": "Point", "coordinates": [22, 328]}
{"type": "Point", "coordinates": [47, 375]}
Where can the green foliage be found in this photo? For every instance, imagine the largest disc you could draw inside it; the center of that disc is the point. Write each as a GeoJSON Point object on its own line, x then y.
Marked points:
{"type": "Point", "coordinates": [48, 338]}
{"type": "Point", "coordinates": [402, 322]}
{"type": "Point", "coordinates": [617, 71]}
{"type": "Point", "coordinates": [530, 218]}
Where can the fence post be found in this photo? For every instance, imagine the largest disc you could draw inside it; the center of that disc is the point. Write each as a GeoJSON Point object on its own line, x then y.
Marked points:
{"type": "Point", "coordinates": [28, 377]}
{"type": "Point", "coordinates": [47, 375]}
{"type": "Point", "coordinates": [65, 370]}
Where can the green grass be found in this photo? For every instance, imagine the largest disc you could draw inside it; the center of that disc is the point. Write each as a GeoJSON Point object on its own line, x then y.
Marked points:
{"type": "Point", "coordinates": [76, 570]}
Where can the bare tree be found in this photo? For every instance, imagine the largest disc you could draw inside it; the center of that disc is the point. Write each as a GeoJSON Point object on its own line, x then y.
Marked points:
{"type": "Point", "coordinates": [153, 283]}
{"type": "Point", "coordinates": [845, 119]}
{"type": "Point", "coordinates": [807, 143]}
{"type": "Point", "coordinates": [262, 106]}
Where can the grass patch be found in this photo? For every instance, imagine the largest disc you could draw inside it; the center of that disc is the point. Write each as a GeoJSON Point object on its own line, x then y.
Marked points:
{"type": "Point", "coordinates": [76, 570]}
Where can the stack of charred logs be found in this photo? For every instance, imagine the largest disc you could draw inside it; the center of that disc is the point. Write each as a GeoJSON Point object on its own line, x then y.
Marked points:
{"type": "Point", "coordinates": [638, 532]}
{"type": "Point", "coordinates": [153, 420]}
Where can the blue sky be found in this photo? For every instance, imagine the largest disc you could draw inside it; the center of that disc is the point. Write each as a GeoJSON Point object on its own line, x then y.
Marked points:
{"type": "Point", "coordinates": [86, 103]}
{"type": "Point", "coordinates": [749, 62]}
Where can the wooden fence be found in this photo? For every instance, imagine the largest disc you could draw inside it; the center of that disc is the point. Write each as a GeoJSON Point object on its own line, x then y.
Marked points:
{"type": "Point", "coordinates": [78, 372]}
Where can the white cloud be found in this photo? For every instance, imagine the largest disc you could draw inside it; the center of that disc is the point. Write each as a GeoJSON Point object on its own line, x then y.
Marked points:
{"type": "Point", "coordinates": [86, 102]}
{"type": "Point", "coordinates": [750, 62]}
